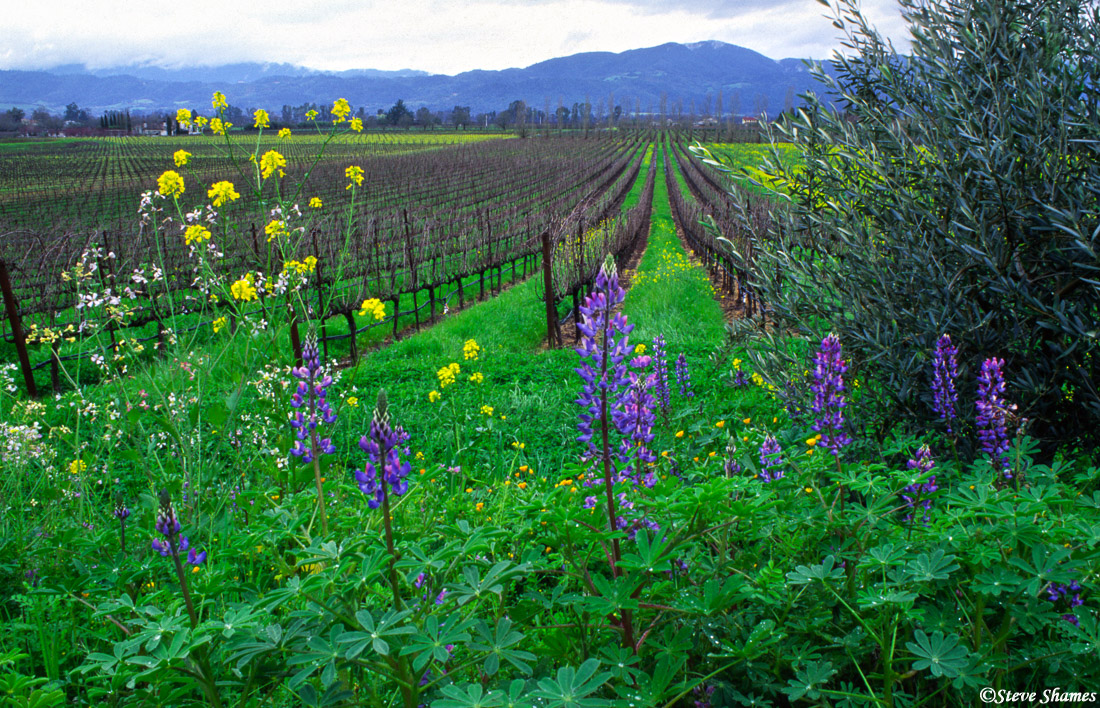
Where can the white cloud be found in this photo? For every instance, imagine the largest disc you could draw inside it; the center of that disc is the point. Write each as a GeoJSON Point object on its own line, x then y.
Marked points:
{"type": "Point", "coordinates": [440, 37]}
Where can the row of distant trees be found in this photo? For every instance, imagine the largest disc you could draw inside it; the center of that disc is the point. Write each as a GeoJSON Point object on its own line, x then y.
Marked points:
{"type": "Point", "coordinates": [519, 115]}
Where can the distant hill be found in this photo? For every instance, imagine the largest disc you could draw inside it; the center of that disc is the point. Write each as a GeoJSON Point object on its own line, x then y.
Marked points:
{"type": "Point", "coordinates": [671, 75]}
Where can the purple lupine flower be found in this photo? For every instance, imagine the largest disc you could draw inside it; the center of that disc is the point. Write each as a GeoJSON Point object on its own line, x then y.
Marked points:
{"type": "Point", "coordinates": [603, 350]}
{"type": "Point", "coordinates": [917, 494]}
{"type": "Point", "coordinates": [384, 446]}
{"type": "Point", "coordinates": [992, 414]}
{"type": "Point", "coordinates": [660, 371]}
{"type": "Point", "coordinates": [168, 525]}
{"type": "Point", "coordinates": [121, 512]}
{"type": "Point", "coordinates": [313, 384]}
{"type": "Point", "coordinates": [770, 460]}
{"type": "Point", "coordinates": [1071, 593]}
{"type": "Point", "coordinates": [196, 558]}
{"type": "Point", "coordinates": [683, 376]}
{"type": "Point", "coordinates": [828, 389]}
{"type": "Point", "coordinates": [702, 695]}
{"type": "Point", "coordinates": [945, 369]}
{"type": "Point", "coordinates": [633, 417]}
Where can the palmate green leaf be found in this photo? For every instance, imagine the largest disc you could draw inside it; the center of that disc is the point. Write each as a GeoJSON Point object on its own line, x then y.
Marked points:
{"type": "Point", "coordinates": [927, 567]}
{"type": "Point", "coordinates": [651, 556]}
{"type": "Point", "coordinates": [391, 625]}
{"type": "Point", "coordinates": [471, 695]}
{"type": "Point", "coordinates": [997, 580]}
{"type": "Point", "coordinates": [877, 597]}
{"type": "Point", "coordinates": [431, 643]}
{"type": "Point", "coordinates": [942, 655]}
{"type": "Point", "coordinates": [1044, 566]}
{"type": "Point", "coordinates": [498, 643]}
{"type": "Point", "coordinates": [808, 680]}
{"type": "Point", "coordinates": [826, 570]}
{"type": "Point", "coordinates": [572, 686]}
{"type": "Point", "coordinates": [1086, 633]}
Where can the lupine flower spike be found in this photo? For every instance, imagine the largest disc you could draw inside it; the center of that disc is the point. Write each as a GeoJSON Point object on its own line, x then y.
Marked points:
{"type": "Point", "coordinates": [660, 371]}
{"type": "Point", "coordinates": [634, 420]}
{"type": "Point", "coordinates": [992, 415]}
{"type": "Point", "coordinates": [313, 410]}
{"type": "Point", "coordinates": [770, 460]}
{"type": "Point", "coordinates": [828, 389]}
{"type": "Point", "coordinates": [945, 370]}
{"type": "Point", "coordinates": [168, 525]}
{"type": "Point", "coordinates": [121, 512]}
{"type": "Point", "coordinates": [917, 495]}
{"type": "Point", "coordinates": [683, 377]}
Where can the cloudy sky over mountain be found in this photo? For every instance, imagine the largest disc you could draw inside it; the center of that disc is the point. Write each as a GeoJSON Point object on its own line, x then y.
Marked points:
{"type": "Point", "coordinates": [446, 37]}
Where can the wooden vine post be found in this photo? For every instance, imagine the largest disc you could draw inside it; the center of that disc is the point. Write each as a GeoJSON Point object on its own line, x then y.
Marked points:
{"type": "Point", "coordinates": [553, 334]}
{"type": "Point", "coordinates": [17, 330]}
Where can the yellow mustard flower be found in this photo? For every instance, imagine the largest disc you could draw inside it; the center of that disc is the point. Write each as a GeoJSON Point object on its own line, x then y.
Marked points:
{"type": "Point", "coordinates": [243, 289]}
{"type": "Point", "coordinates": [181, 157]}
{"type": "Point", "coordinates": [357, 125]}
{"type": "Point", "coordinates": [373, 306]}
{"type": "Point", "coordinates": [260, 119]}
{"type": "Point", "coordinates": [218, 101]}
{"type": "Point", "coordinates": [447, 375]}
{"type": "Point", "coordinates": [272, 162]}
{"type": "Point", "coordinates": [201, 121]}
{"type": "Point", "coordinates": [170, 184]}
{"type": "Point", "coordinates": [477, 377]}
{"type": "Point", "coordinates": [222, 192]}
{"type": "Point", "coordinates": [309, 265]}
{"type": "Point", "coordinates": [219, 126]}
{"type": "Point", "coordinates": [77, 466]}
{"type": "Point", "coordinates": [316, 203]}
{"type": "Point", "coordinates": [183, 117]}
{"type": "Point", "coordinates": [218, 324]}
{"type": "Point", "coordinates": [639, 350]}
{"type": "Point", "coordinates": [284, 132]}
{"type": "Point", "coordinates": [433, 396]}
{"type": "Point", "coordinates": [487, 410]}
{"type": "Point", "coordinates": [355, 174]}
{"type": "Point", "coordinates": [353, 401]}
{"type": "Point", "coordinates": [196, 234]}
{"type": "Point", "coordinates": [274, 229]}
{"type": "Point", "coordinates": [470, 349]}
{"type": "Point", "coordinates": [340, 110]}
{"type": "Point", "coordinates": [311, 114]}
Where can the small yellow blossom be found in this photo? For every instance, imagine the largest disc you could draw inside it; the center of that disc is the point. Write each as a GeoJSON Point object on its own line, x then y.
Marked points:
{"type": "Point", "coordinates": [170, 184]}
{"type": "Point", "coordinates": [219, 126]}
{"type": "Point", "coordinates": [284, 132]}
{"type": "Point", "coordinates": [340, 110]}
{"type": "Point", "coordinates": [196, 234]}
{"type": "Point", "coordinates": [272, 162]}
{"type": "Point", "coordinates": [274, 229]}
{"type": "Point", "coordinates": [477, 377]}
{"type": "Point", "coordinates": [487, 410]}
{"type": "Point", "coordinates": [808, 490]}
{"type": "Point", "coordinates": [720, 424]}
{"type": "Point", "coordinates": [316, 203]}
{"type": "Point", "coordinates": [260, 119]}
{"type": "Point", "coordinates": [218, 324]}
{"type": "Point", "coordinates": [746, 421]}
{"type": "Point", "coordinates": [355, 174]}
{"type": "Point", "coordinates": [434, 396]}
{"type": "Point", "coordinates": [201, 121]}
{"type": "Point", "coordinates": [353, 401]}
{"type": "Point", "coordinates": [640, 349]}
{"type": "Point", "coordinates": [222, 192]}
{"type": "Point", "coordinates": [311, 114]}
{"type": "Point", "coordinates": [522, 485]}
{"type": "Point", "coordinates": [374, 307]}
{"type": "Point", "coordinates": [679, 433]}
{"type": "Point", "coordinates": [470, 350]}
{"type": "Point", "coordinates": [181, 157]}
{"type": "Point", "coordinates": [447, 375]}
{"type": "Point", "coordinates": [218, 101]}
{"type": "Point", "coordinates": [183, 117]}
{"type": "Point", "coordinates": [479, 506]}
{"type": "Point", "coordinates": [77, 466]}
{"type": "Point", "coordinates": [357, 125]}
{"type": "Point", "coordinates": [243, 289]}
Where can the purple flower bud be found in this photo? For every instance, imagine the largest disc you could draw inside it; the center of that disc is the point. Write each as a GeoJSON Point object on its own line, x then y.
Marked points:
{"type": "Point", "coordinates": [196, 558]}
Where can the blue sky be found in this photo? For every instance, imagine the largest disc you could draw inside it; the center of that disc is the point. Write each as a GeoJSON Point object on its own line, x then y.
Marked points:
{"type": "Point", "coordinates": [444, 37]}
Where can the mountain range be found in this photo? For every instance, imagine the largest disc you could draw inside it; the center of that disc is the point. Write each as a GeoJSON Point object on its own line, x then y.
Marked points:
{"type": "Point", "coordinates": [676, 77]}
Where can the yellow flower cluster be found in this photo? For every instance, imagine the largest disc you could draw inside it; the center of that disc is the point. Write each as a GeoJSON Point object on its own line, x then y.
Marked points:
{"type": "Point", "coordinates": [170, 184]}
{"type": "Point", "coordinates": [316, 203]}
{"type": "Point", "coordinates": [353, 401]}
{"type": "Point", "coordinates": [218, 324]}
{"type": "Point", "coordinates": [181, 157]}
{"type": "Point", "coordinates": [433, 396]}
{"type": "Point", "coordinates": [243, 289]}
{"type": "Point", "coordinates": [373, 306]}
{"type": "Point", "coordinates": [183, 117]}
{"type": "Point", "coordinates": [487, 410]}
{"type": "Point", "coordinates": [447, 375]}
{"type": "Point", "coordinates": [307, 266]}
{"type": "Point", "coordinates": [276, 228]}
{"type": "Point", "coordinates": [196, 234]}
{"type": "Point", "coordinates": [470, 350]}
{"type": "Point", "coordinates": [477, 377]}
{"type": "Point", "coordinates": [357, 125]}
{"type": "Point", "coordinates": [222, 192]}
{"type": "Point", "coordinates": [260, 119]}
{"type": "Point", "coordinates": [311, 114]}
{"type": "Point", "coordinates": [271, 162]}
{"type": "Point", "coordinates": [218, 101]}
{"type": "Point", "coordinates": [355, 174]}
{"type": "Point", "coordinates": [284, 132]}
{"type": "Point", "coordinates": [639, 350]}
{"type": "Point", "coordinates": [219, 126]}
{"type": "Point", "coordinates": [341, 109]}
{"type": "Point", "coordinates": [77, 466]}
